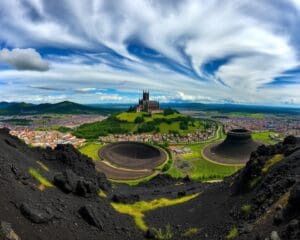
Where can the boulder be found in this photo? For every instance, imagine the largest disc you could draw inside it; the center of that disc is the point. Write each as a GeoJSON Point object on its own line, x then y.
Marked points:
{"type": "Point", "coordinates": [294, 199]}
{"type": "Point", "coordinates": [278, 217]}
{"type": "Point", "coordinates": [91, 216]}
{"type": "Point", "coordinates": [293, 225]}
{"type": "Point", "coordinates": [7, 233]}
{"type": "Point", "coordinates": [290, 140]}
{"type": "Point", "coordinates": [103, 183]}
{"type": "Point", "coordinates": [86, 188]}
{"type": "Point", "coordinates": [66, 181]}
{"type": "Point", "coordinates": [274, 236]}
{"type": "Point", "coordinates": [36, 214]}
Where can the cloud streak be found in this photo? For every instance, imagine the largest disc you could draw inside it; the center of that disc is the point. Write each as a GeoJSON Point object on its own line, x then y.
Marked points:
{"type": "Point", "coordinates": [193, 50]}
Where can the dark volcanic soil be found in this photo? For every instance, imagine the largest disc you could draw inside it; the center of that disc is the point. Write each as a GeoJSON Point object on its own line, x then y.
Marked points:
{"type": "Point", "coordinates": [72, 209]}
{"type": "Point", "coordinates": [57, 212]}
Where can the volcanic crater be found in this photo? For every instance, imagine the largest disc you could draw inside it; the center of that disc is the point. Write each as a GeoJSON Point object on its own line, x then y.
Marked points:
{"type": "Point", "coordinates": [130, 160]}
{"type": "Point", "coordinates": [235, 149]}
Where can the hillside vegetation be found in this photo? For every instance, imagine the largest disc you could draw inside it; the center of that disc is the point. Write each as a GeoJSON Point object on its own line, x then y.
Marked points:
{"type": "Point", "coordinates": [65, 107]}
{"type": "Point", "coordinates": [131, 122]}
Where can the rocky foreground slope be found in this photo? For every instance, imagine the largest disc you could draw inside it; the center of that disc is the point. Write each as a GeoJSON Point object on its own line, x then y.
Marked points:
{"type": "Point", "coordinates": [56, 194]}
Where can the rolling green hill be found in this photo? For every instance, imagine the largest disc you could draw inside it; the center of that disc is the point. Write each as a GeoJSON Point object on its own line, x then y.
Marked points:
{"type": "Point", "coordinates": [65, 107]}
{"type": "Point", "coordinates": [131, 122]}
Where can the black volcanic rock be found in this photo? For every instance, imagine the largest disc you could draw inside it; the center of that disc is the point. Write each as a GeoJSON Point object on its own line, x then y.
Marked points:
{"type": "Point", "coordinates": [295, 196]}
{"type": "Point", "coordinates": [215, 211]}
{"type": "Point", "coordinates": [258, 159]}
{"type": "Point", "coordinates": [290, 140]}
{"type": "Point", "coordinates": [25, 202]}
{"type": "Point", "coordinates": [67, 157]}
{"type": "Point", "coordinates": [35, 214]}
{"type": "Point", "coordinates": [120, 198]}
{"type": "Point", "coordinates": [91, 216]}
{"type": "Point", "coordinates": [86, 188]}
{"type": "Point", "coordinates": [66, 181]}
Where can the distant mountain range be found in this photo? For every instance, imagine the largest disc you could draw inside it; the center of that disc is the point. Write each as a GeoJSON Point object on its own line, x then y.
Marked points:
{"type": "Point", "coordinates": [65, 107]}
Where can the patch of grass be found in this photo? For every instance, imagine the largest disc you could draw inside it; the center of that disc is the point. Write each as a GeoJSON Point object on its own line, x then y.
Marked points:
{"type": "Point", "coordinates": [202, 169]}
{"type": "Point", "coordinates": [130, 116]}
{"type": "Point", "coordinates": [191, 232]}
{"type": "Point", "coordinates": [43, 181]}
{"type": "Point", "coordinates": [55, 128]}
{"type": "Point", "coordinates": [275, 159]}
{"type": "Point", "coordinates": [159, 234]}
{"type": "Point", "coordinates": [43, 166]}
{"type": "Point", "coordinates": [243, 114]}
{"type": "Point", "coordinates": [136, 181]}
{"type": "Point", "coordinates": [102, 194]}
{"type": "Point", "coordinates": [175, 172]}
{"type": "Point", "coordinates": [264, 137]}
{"type": "Point", "coordinates": [254, 182]}
{"type": "Point", "coordinates": [246, 209]}
{"type": "Point", "coordinates": [91, 150]}
{"type": "Point", "coordinates": [232, 234]}
{"type": "Point", "coordinates": [137, 210]}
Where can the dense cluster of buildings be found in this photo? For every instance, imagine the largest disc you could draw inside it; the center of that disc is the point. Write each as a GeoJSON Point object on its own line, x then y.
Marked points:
{"type": "Point", "coordinates": [180, 149]}
{"type": "Point", "coordinates": [282, 126]}
{"type": "Point", "coordinates": [50, 120]}
{"type": "Point", "coordinates": [47, 138]}
{"type": "Point", "coordinates": [196, 136]}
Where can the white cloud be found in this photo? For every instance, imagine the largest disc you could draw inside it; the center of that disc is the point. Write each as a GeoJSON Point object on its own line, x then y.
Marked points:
{"type": "Point", "coordinates": [192, 32]}
{"type": "Point", "coordinates": [23, 59]}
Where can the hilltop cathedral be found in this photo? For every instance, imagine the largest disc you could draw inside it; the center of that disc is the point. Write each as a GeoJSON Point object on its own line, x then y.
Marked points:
{"type": "Point", "coordinates": [146, 105]}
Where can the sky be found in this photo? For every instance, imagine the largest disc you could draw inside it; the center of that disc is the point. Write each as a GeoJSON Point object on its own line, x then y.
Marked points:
{"type": "Point", "coordinates": [100, 51]}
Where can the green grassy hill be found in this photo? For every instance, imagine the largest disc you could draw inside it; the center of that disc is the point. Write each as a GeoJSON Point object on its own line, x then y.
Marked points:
{"type": "Point", "coordinates": [65, 107]}
{"type": "Point", "coordinates": [131, 122]}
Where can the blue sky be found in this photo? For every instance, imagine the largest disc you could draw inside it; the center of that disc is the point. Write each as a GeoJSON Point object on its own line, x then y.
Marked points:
{"type": "Point", "coordinates": [95, 51]}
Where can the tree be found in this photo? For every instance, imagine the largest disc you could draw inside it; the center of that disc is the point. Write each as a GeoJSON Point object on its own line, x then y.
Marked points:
{"type": "Point", "coordinates": [139, 119]}
{"type": "Point", "coordinates": [131, 109]}
{"type": "Point", "coordinates": [169, 111]}
{"type": "Point", "coordinates": [184, 125]}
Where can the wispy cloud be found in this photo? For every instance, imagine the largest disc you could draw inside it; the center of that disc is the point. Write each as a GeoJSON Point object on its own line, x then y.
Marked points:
{"type": "Point", "coordinates": [191, 50]}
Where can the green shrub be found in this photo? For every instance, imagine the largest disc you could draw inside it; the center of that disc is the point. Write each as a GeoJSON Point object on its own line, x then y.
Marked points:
{"type": "Point", "coordinates": [163, 235]}
{"type": "Point", "coordinates": [139, 119]}
{"type": "Point", "coordinates": [147, 127]}
{"type": "Point", "coordinates": [184, 125]}
{"type": "Point", "coordinates": [246, 209]}
{"type": "Point", "coordinates": [191, 232]}
{"type": "Point", "coordinates": [169, 111]}
{"type": "Point", "coordinates": [167, 166]}
{"type": "Point", "coordinates": [232, 234]}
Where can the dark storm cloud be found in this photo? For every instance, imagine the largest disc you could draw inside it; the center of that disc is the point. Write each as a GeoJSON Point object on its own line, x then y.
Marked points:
{"type": "Point", "coordinates": [24, 59]}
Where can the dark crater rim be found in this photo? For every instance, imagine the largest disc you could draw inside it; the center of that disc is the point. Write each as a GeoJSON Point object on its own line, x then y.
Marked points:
{"type": "Point", "coordinates": [133, 155]}
{"type": "Point", "coordinates": [239, 132]}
